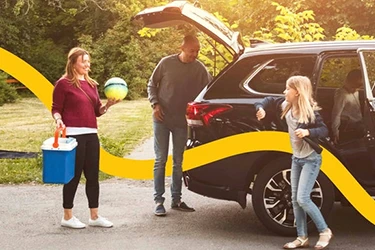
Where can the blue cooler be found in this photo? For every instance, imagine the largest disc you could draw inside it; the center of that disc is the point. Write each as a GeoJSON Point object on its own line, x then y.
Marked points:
{"type": "Point", "coordinates": [59, 156]}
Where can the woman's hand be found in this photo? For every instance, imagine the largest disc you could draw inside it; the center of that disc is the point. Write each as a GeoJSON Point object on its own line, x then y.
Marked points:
{"type": "Point", "coordinates": [300, 133]}
{"type": "Point", "coordinates": [59, 123]}
{"type": "Point", "coordinates": [111, 102]}
{"type": "Point", "coordinates": [260, 114]}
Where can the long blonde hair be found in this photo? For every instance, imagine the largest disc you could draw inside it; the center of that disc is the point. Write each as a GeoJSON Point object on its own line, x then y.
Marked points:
{"type": "Point", "coordinates": [70, 72]}
{"type": "Point", "coordinates": [306, 103]}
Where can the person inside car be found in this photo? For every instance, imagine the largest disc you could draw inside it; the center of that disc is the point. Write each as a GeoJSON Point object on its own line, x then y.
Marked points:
{"type": "Point", "coordinates": [346, 112]}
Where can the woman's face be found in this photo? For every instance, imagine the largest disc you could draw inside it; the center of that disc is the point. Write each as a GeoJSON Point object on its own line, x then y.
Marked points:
{"type": "Point", "coordinates": [291, 95]}
{"type": "Point", "coordinates": [82, 66]}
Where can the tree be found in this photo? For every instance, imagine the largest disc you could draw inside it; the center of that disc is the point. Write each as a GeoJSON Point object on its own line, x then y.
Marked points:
{"type": "Point", "coordinates": [292, 25]}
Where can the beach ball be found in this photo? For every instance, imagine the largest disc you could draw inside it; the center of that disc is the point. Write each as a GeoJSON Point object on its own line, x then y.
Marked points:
{"type": "Point", "coordinates": [116, 88]}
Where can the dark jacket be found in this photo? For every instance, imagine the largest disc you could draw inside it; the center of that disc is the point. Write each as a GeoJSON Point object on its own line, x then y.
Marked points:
{"type": "Point", "coordinates": [318, 129]}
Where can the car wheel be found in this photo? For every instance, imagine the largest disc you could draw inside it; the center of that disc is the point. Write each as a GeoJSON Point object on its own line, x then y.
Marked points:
{"type": "Point", "coordinates": [271, 197]}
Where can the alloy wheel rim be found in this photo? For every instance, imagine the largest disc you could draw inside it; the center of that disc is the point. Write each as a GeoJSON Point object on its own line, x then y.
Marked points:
{"type": "Point", "coordinates": [277, 199]}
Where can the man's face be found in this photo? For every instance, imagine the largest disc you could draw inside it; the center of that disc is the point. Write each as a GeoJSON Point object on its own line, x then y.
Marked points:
{"type": "Point", "coordinates": [190, 52]}
{"type": "Point", "coordinates": [356, 83]}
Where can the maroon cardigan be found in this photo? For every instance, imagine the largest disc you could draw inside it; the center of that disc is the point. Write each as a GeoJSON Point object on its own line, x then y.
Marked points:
{"type": "Point", "coordinates": [75, 108]}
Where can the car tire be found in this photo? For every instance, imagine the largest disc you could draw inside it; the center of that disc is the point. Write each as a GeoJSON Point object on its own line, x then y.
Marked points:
{"type": "Point", "coordinates": [271, 197]}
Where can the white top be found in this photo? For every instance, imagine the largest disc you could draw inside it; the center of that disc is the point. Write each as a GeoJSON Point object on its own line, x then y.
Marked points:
{"type": "Point", "coordinates": [346, 107]}
{"type": "Point", "coordinates": [301, 148]}
{"type": "Point", "coordinates": [80, 131]}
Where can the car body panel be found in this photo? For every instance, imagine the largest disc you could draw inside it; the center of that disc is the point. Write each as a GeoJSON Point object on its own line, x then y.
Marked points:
{"type": "Point", "coordinates": [238, 119]}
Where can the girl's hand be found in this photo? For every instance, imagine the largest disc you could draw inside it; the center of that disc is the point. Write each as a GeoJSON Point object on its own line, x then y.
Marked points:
{"type": "Point", "coordinates": [300, 133]}
{"type": "Point", "coordinates": [260, 114]}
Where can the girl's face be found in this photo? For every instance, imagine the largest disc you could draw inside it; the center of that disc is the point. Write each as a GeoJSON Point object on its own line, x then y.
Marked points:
{"type": "Point", "coordinates": [82, 66]}
{"type": "Point", "coordinates": [291, 95]}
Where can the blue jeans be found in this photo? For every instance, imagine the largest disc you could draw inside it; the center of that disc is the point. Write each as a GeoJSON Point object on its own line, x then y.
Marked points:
{"type": "Point", "coordinates": [303, 176]}
{"type": "Point", "coordinates": [161, 145]}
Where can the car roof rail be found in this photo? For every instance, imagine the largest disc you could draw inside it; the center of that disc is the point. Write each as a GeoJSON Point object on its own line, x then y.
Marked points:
{"type": "Point", "coordinates": [254, 42]}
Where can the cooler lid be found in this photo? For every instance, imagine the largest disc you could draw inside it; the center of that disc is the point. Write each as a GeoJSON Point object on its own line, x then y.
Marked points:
{"type": "Point", "coordinates": [65, 144]}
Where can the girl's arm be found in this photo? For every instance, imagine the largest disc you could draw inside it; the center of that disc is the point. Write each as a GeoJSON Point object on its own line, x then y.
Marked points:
{"type": "Point", "coordinates": [270, 102]}
{"type": "Point", "coordinates": [319, 128]}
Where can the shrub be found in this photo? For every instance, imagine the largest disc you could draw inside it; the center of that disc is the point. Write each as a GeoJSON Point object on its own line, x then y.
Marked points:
{"type": "Point", "coordinates": [8, 94]}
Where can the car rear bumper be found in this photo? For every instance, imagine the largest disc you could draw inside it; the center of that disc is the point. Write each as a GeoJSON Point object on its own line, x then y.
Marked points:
{"type": "Point", "coordinates": [223, 193]}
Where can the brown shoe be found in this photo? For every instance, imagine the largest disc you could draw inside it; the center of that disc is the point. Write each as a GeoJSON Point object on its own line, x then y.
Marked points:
{"type": "Point", "coordinates": [297, 243]}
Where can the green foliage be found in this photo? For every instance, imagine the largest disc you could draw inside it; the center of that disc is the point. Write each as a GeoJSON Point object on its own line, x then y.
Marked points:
{"type": "Point", "coordinates": [292, 25]}
{"type": "Point", "coordinates": [8, 94]}
{"type": "Point", "coordinates": [134, 57]}
{"type": "Point", "coordinates": [346, 33]}
{"type": "Point", "coordinates": [41, 32]}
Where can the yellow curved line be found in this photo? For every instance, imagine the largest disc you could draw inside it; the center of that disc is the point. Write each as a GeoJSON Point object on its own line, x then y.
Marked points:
{"type": "Point", "coordinates": [204, 154]}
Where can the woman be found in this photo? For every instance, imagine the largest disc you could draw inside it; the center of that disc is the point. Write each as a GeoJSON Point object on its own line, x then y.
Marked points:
{"type": "Point", "coordinates": [76, 105]}
{"type": "Point", "coordinates": [305, 126]}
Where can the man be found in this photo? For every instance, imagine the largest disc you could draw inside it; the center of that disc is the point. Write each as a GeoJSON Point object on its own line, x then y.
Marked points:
{"type": "Point", "coordinates": [346, 112]}
{"type": "Point", "coordinates": [176, 80]}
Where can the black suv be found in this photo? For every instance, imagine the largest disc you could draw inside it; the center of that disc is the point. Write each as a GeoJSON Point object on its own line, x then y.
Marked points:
{"type": "Point", "coordinates": [226, 108]}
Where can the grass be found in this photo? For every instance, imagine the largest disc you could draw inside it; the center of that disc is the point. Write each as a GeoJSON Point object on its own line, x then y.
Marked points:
{"type": "Point", "coordinates": [26, 124]}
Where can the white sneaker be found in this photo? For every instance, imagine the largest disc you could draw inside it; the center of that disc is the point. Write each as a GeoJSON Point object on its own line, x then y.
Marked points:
{"type": "Point", "coordinates": [100, 222]}
{"type": "Point", "coordinates": [72, 223]}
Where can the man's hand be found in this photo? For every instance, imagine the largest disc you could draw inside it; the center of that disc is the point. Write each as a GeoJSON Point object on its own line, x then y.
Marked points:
{"type": "Point", "coordinates": [335, 139]}
{"type": "Point", "coordinates": [260, 114]}
{"type": "Point", "coordinates": [158, 112]}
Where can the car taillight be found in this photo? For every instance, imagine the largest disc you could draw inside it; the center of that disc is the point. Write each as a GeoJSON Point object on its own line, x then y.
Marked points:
{"type": "Point", "coordinates": [200, 114]}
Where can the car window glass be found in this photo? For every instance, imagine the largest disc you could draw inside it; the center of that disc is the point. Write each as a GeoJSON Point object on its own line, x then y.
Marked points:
{"type": "Point", "coordinates": [335, 69]}
{"type": "Point", "coordinates": [272, 77]}
{"type": "Point", "coordinates": [333, 75]}
{"type": "Point", "coordinates": [229, 85]}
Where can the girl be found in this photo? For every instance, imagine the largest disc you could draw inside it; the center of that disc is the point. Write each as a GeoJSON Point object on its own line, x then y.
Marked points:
{"type": "Point", "coordinates": [304, 124]}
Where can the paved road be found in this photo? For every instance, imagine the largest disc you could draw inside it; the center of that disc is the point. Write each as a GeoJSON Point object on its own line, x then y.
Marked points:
{"type": "Point", "coordinates": [30, 219]}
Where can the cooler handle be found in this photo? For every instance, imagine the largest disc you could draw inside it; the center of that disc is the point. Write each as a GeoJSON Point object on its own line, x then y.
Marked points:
{"type": "Point", "coordinates": [57, 135]}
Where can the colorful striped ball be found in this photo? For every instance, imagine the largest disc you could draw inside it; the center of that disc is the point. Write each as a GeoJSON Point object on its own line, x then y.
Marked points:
{"type": "Point", "coordinates": [115, 88]}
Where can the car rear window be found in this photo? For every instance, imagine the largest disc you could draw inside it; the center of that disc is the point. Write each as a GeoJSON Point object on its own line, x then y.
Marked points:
{"type": "Point", "coordinates": [261, 75]}
{"type": "Point", "coordinates": [271, 77]}
{"type": "Point", "coordinates": [229, 84]}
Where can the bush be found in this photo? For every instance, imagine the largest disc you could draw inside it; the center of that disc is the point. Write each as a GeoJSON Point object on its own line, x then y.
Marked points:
{"type": "Point", "coordinates": [8, 94]}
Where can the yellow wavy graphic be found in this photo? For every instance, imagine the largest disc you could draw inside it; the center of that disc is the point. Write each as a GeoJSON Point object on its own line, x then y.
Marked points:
{"type": "Point", "coordinates": [220, 149]}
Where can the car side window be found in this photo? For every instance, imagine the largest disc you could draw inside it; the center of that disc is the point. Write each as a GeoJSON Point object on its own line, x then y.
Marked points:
{"type": "Point", "coordinates": [333, 75]}
{"type": "Point", "coordinates": [335, 69]}
{"type": "Point", "coordinates": [272, 77]}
